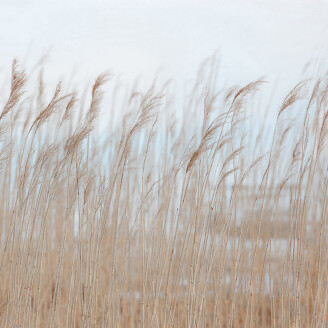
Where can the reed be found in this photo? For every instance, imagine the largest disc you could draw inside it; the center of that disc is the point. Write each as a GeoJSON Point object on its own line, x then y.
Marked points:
{"type": "Point", "coordinates": [207, 216]}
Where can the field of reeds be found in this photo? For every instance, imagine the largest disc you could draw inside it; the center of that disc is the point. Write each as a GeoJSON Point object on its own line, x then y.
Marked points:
{"type": "Point", "coordinates": [152, 209]}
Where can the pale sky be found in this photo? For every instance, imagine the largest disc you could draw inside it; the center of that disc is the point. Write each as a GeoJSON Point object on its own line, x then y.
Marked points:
{"type": "Point", "coordinates": [254, 38]}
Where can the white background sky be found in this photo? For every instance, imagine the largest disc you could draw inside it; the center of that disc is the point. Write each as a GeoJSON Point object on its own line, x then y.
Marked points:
{"type": "Point", "coordinates": [272, 38]}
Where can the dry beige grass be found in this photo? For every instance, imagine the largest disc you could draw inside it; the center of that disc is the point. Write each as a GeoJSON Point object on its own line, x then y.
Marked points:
{"type": "Point", "coordinates": [198, 221]}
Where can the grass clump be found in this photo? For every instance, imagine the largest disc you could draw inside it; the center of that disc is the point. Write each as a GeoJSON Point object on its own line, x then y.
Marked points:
{"type": "Point", "coordinates": [211, 216]}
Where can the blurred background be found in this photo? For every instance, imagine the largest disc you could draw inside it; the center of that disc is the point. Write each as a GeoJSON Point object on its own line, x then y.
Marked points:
{"type": "Point", "coordinates": [253, 38]}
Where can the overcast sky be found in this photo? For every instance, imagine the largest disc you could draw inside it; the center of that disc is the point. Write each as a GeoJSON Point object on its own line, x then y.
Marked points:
{"type": "Point", "coordinates": [254, 38]}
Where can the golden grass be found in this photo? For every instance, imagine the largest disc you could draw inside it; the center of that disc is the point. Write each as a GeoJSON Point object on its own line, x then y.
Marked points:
{"type": "Point", "coordinates": [163, 220]}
